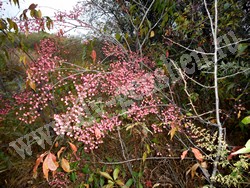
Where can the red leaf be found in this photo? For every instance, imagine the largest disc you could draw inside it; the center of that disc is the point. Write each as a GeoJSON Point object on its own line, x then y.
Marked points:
{"type": "Point", "coordinates": [32, 6]}
{"type": "Point", "coordinates": [235, 148]}
{"type": "Point", "coordinates": [183, 155]}
{"type": "Point", "coordinates": [93, 55]}
{"type": "Point", "coordinates": [167, 54]}
{"type": "Point", "coordinates": [197, 154]}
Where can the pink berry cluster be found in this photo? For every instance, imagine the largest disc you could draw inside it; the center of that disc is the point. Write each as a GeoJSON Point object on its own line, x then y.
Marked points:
{"type": "Point", "coordinates": [39, 74]}
{"type": "Point", "coordinates": [100, 99]}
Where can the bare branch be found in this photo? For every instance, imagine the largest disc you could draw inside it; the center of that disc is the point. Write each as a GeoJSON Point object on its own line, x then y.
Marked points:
{"type": "Point", "coordinates": [140, 159]}
{"type": "Point", "coordinates": [243, 40]}
{"type": "Point", "coordinates": [231, 75]}
{"type": "Point", "coordinates": [196, 51]}
{"type": "Point", "coordinates": [145, 15]}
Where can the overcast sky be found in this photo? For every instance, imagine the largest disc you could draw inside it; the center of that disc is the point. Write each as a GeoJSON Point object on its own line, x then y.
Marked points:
{"type": "Point", "coordinates": [46, 6]}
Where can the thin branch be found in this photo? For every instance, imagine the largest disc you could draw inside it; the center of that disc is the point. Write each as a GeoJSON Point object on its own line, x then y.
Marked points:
{"type": "Point", "coordinates": [231, 75]}
{"type": "Point", "coordinates": [140, 159]}
{"type": "Point", "coordinates": [189, 96]}
{"type": "Point", "coordinates": [122, 144]}
{"type": "Point", "coordinates": [243, 40]}
{"type": "Point", "coordinates": [214, 28]}
{"type": "Point", "coordinates": [191, 50]}
{"type": "Point", "coordinates": [145, 15]}
{"type": "Point", "coordinates": [198, 83]}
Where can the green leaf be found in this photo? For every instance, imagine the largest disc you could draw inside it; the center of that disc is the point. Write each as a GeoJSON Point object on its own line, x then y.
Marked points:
{"type": "Point", "coordinates": [148, 149]}
{"type": "Point", "coordinates": [116, 173]}
{"type": "Point", "coordinates": [129, 182]}
{"type": "Point", "coordinates": [246, 120]}
{"type": "Point", "coordinates": [144, 157]}
{"type": "Point", "coordinates": [241, 49]}
{"type": "Point", "coordinates": [106, 175]}
{"type": "Point", "coordinates": [140, 185]}
{"type": "Point", "coordinates": [39, 14]}
{"type": "Point", "coordinates": [117, 36]}
{"type": "Point", "coordinates": [86, 169]}
{"type": "Point", "coordinates": [248, 144]}
{"type": "Point", "coordinates": [243, 150]}
{"type": "Point", "coordinates": [73, 176]}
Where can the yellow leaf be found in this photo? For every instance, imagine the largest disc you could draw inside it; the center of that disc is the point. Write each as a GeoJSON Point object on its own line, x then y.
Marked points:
{"type": "Point", "coordinates": [119, 182]}
{"type": "Point", "coordinates": [144, 157]}
{"type": "Point", "coordinates": [239, 114]}
{"type": "Point", "coordinates": [65, 165]}
{"type": "Point", "coordinates": [39, 14]}
{"type": "Point", "coordinates": [32, 85]}
{"type": "Point", "coordinates": [152, 34]}
{"type": "Point", "coordinates": [172, 132]}
{"type": "Point", "coordinates": [23, 60]}
{"type": "Point", "coordinates": [106, 175]}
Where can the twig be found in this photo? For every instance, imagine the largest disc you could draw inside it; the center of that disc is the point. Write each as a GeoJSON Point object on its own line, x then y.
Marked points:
{"type": "Point", "coordinates": [214, 28]}
{"type": "Point", "coordinates": [124, 155]}
{"type": "Point", "coordinates": [140, 159]}
{"type": "Point", "coordinates": [198, 83]}
{"type": "Point", "coordinates": [243, 40]}
{"type": "Point", "coordinates": [145, 15]}
{"type": "Point", "coordinates": [191, 50]}
{"type": "Point", "coordinates": [231, 75]}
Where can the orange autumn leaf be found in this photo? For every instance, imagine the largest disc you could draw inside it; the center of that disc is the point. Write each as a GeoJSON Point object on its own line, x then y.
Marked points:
{"type": "Point", "coordinates": [93, 55]}
{"type": "Point", "coordinates": [50, 160]}
{"type": "Point", "coordinates": [49, 163]}
{"type": "Point", "coordinates": [38, 161]}
{"type": "Point", "coordinates": [60, 151]}
{"type": "Point", "coordinates": [193, 170]}
{"type": "Point", "coordinates": [73, 147]}
{"type": "Point", "coordinates": [183, 155]}
{"type": "Point", "coordinates": [197, 154]}
{"type": "Point", "coordinates": [65, 165]}
{"type": "Point", "coordinates": [98, 133]}
{"type": "Point", "coordinates": [32, 85]}
{"type": "Point", "coordinates": [46, 170]}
